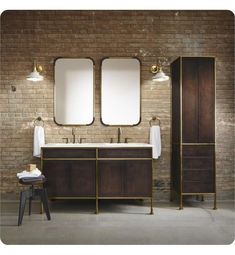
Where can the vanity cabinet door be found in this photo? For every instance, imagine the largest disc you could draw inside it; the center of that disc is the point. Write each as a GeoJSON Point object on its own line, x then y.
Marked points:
{"type": "Point", "coordinates": [82, 182]}
{"type": "Point", "coordinates": [137, 175]}
{"type": "Point", "coordinates": [68, 178]}
{"type": "Point", "coordinates": [58, 177]}
{"type": "Point", "coordinates": [110, 178]}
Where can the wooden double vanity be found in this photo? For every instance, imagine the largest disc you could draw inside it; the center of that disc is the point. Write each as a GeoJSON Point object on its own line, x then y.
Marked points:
{"type": "Point", "coordinates": [98, 171]}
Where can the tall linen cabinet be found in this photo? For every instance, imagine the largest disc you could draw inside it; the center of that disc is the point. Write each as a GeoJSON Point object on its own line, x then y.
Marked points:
{"type": "Point", "coordinates": [193, 128]}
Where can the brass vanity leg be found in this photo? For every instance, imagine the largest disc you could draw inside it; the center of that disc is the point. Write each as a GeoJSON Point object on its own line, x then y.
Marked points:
{"type": "Point", "coordinates": [215, 204]}
{"type": "Point", "coordinates": [151, 205]}
{"type": "Point", "coordinates": [202, 198]}
{"type": "Point", "coordinates": [96, 206]}
{"type": "Point", "coordinates": [181, 202]}
{"type": "Point", "coordinates": [41, 208]}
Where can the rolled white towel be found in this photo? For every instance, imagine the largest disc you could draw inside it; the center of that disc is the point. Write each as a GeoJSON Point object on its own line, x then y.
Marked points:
{"type": "Point", "coordinates": [35, 173]}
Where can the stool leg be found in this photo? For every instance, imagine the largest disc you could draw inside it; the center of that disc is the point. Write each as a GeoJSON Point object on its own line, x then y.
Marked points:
{"type": "Point", "coordinates": [30, 203]}
{"type": "Point", "coordinates": [44, 200]}
{"type": "Point", "coordinates": [21, 207]}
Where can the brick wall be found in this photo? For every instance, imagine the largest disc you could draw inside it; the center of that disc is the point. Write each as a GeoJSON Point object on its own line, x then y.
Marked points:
{"type": "Point", "coordinates": [46, 35]}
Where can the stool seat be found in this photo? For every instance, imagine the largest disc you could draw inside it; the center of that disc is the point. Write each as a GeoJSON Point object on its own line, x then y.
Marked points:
{"type": "Point", "coordinates": [31, 193]}
{"type": "Point", "coordinates": [32, 180]}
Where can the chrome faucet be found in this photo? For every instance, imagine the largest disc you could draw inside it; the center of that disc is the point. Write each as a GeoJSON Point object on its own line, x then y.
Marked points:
{"type": "Point", "coordinates": [119, 134]}
{"type": "Point", "coordinates": [73, 134]}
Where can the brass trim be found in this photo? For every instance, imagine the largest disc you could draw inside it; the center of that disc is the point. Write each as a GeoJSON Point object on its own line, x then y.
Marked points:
{"type": "Point", "coordinates": [198, 193]}
{"type": "Point", "coordinates": [97, 183]}
{"type": "Point", "coordinates": [140, 109]}
{"type": "Point", "coordinates": [124, 197]}
{"type": "Point", "coordinates": [87, 159]}
{"type": "Point", "coordinates": [151, 199]}
{"type": "Point", "coordinates": [215, 112]}
{"type": "Point", "coordinates": [76, 197]}
{"type": "Point", "coordinates": [54, 88]}
{"type": "Point", "coordinates": [124, 159]}
{"type": "Point", "coordinates": [181, 133]}
{"type": "Point", "coordinates": [185, 144]}
{"type": "Point", "coordinates": [101, 148]}
{"type": "Point", "coordinates": [96, 198]}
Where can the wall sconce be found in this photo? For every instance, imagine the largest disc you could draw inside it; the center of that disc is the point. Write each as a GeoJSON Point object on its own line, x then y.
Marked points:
{"type": "Point", "coordinates": [156, 69]}
{"type": "Point", "coordinates": [35, 76]}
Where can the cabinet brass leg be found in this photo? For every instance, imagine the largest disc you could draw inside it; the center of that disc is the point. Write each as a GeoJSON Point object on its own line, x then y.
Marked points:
{"type": "Point", "coordinates": [215, 202]}
{"type": "Point", "coordinates": [96, 207]}
{"type": "Point", "coordinates": [202, 198]}
{"type": "Point", "coordinates": [181, 203]}
{"type": "Point", "coordinates": [41, 208]}
{"type": "Point", "coordinates": [151, 206]}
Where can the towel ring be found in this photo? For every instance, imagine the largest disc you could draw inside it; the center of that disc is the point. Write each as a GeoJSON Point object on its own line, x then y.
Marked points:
{"type": "Point", "coordinates": [153, 119]}
{"type": "Point", "coordinates": [38, 120]}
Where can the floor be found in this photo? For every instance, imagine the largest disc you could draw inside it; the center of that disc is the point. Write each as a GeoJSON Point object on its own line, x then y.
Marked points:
{"type": "Point", "coordinates": [120, 222]}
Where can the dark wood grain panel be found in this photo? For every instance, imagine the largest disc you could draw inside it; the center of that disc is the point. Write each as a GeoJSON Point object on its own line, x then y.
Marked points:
{"type": "Point", "coordinates": [206, 105]}
{"type": "Point", "coordinates": [198, 163]}
{"type": "Point", "coordinates": [110, 178]}
{"type": "Point", "coordinates": [190, 100]}
{"type": "Point", "coordinates": [137, 178]}
{"type": "Point", "coordinates": [198, 187]}
{"type": "Point", "coordinates": [83, 175]}
{"type": "Point", "coordinates": [68, 153]}
{"type": "Point", "coordinates": [198, 150]}
{"type": "Point", "coordinates": [70, 178]}
{"type": "Point", "coordinates": [58, 177]}
{"type": "Point", "coordinates": [125, 153]}
{"type": "Point", "coordinates": [198, 175]}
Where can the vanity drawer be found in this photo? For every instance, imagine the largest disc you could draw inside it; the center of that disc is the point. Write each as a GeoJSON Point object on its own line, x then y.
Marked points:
{"type": "Point", "coordinates": [202, 163]}
{"type": "Point", "coordinates": [198, 175]}
{"type": "Point", "coordinates": [125, 153]}
{"type": "Point", "coordinates": [68, 153]}
{"type": "Point", "coordinates": [198, 150]}
{"type": "Point", "coordinates": [198, 187]}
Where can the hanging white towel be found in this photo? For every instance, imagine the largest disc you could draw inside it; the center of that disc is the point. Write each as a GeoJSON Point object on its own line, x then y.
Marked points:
{"type": "Point", "coordinates": [38, 141]}
{"type": "Point", "coordinates": [155, 140]}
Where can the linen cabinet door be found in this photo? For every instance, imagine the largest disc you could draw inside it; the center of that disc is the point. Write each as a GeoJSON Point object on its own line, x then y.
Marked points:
{"type": "Point", "coordinates": [110, 178]}
{"type": "Point", "coordinates": [189, 100]}
{"type": "Point", "coordinates": [137, 175]}
{"type": "Point", "coordinates": [206, 106]}
{"type": "Point", "coordinates": [82, 182]}
{"type": "Point", "coordinates": [57, 173]}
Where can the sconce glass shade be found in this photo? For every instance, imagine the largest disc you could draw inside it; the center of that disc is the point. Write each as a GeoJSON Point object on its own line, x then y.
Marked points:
{"type": "Point", "coordinates": [160, 76]}
{"type": "Point", "coordinates": [34, 76]}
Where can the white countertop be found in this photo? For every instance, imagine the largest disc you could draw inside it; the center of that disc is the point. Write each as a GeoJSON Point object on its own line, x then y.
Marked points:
{"type": "Point", "coordinates": [97, 145]}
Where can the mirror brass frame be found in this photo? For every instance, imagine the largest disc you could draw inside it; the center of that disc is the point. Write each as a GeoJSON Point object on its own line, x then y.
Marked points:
{"type": "Point", "coordinates": [140, 107]}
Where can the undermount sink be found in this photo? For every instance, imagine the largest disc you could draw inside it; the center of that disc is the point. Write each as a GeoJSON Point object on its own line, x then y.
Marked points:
{"type": "Point", "coordinates": [97, 145]}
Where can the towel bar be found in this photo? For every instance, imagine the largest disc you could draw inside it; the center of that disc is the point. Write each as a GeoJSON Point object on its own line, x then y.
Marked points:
{"type": "Point", "coordinates": [153, 119]}
{"type": "Point", "coordinates": [38, 119]}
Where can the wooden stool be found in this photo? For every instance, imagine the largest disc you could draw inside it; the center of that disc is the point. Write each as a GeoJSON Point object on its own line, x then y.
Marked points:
{"type": "Point", "coordinates": [31, 193]}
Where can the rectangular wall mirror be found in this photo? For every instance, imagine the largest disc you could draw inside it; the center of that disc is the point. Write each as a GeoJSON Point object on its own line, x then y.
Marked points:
{"type": "Point", "coordinates": [120, 91]}
{"type": "Point", "coordinates": [74, 91]}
